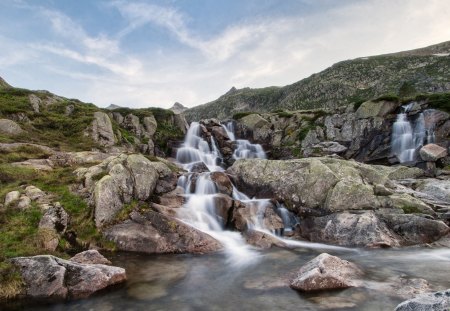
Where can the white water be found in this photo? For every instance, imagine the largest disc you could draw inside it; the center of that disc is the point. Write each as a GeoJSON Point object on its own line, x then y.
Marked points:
{"type": "Point", "coordinates": [408, 135]}
{"type": "Point", "coordinates": [244, 149]}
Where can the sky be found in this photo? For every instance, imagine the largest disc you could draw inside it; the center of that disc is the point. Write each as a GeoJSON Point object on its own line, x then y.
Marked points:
{"type": "Point", "coordinates": [155, 53]}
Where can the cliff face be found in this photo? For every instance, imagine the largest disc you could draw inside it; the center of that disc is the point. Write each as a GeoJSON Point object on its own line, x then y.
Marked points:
{"type": "Point", "coordinates": [403, 74]}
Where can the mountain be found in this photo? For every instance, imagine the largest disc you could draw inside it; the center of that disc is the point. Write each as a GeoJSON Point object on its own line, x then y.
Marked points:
{"type": "Point", "coordinates": [3, 84]}
{"type": "Point", "coordinates": [178, 108]}
{"type": "Point", "coordinates": [403, 74]}
{"type": "Point", "coordinates": [112, 107]}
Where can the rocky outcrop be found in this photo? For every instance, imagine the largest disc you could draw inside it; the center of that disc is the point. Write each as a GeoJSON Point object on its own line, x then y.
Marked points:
{"type": "Point", "coordinates": [10, 127]}
{"type": "Point", "coordinates": [117, 181]}
{"type": "Point", "coordinates": [52, 225]}
{"type": "Point", "coordinates": [49, 277]}
{"type": "Point", "coordinates": [211, 129]}
{"type": "Point", "coordinates": [152, 232]}
{"type": "Point", "coordinates": [326, 272]}
{"type": "Point", "coordinates": [432, 152]}
{"type": "Point", "coordinates": [101, 130]}
{"type": "Point", "coordinates": [438, 301]}
{"type": "Point", "coordinates": [342, 202]}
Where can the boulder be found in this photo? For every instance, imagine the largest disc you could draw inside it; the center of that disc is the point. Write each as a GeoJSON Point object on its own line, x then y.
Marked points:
{"type": "Point", "coordinates": [256, 214]}
{"type": "Point", "coordinates": [35, 102]}
{"type": "Point", "coordinates": [329, 147]}
{"type": "Point", "coordinates": [101, 129]}
{"type": "Point", "coordinates": [436, 188]}
{"type": "Point", "coordinates": [432, 152]}
{"type": "Point", "coordinates": [92, 257]}
{"type": "Point", "coordinates": [372, 109]}
{"type": "Point", "coordinates": [199, 167]}
{"type": "Point", "coordinates": [11, 197]}
{"type": "Point", "coordinates": [49, 277]}
{"type": "Point", "coordinates": [131, 123]}
{"type": "Point", "coordinates": [326, 272]}
{"type": "Point", "coordinates": [152, 232]}
{"type": "Point", "coordinates": [55, 218]}
{"type": "Point", "coordinates": [346, 229]}
{"type": "Point", "coordinates": [437, 301]}
{"type": "Point", "coordinates": [24, 202]}
{"type": "Point", "coordinates": [10, 127]}
{"type": "Point", "coordinates": [222, 182]}
{"type": "Point", "coordinates": [150, 126]}
{"type": "Point", "coordinates": [34, 193]}
{"type": "Point", "coordinates": [262, 239]}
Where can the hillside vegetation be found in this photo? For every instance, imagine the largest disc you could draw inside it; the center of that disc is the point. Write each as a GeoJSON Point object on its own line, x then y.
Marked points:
{"type": "Point", "coordinates": [404, 74]}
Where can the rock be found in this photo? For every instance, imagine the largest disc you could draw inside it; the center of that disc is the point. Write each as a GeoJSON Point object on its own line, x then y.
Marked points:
{"type": "Point", "coordinates": [69, 110]}
{"type": "Point", "coordinates": [436, 188]}
{"type": "Point", "coordinates": [9, 127]}
{"type": "Point", "coordinates": [92, 257]}
{"type": "Point", "coordinates": [24, 202]}
{"type": "Point", "coordinates": [34, 193]}
{"type": "Point", "coordinates": [166, 183]}
{"type": "Point", "coordinates": [150, 126]}
{"type": "Point", "coordinates": [35, 102]}
{"type": "Point", "coordinates": [131, 123]}
{"type": "Point", "coordinates": [259, 214]}
{"type": "Point", "coordinates": [432, 152]}
{"type": "Point", "coordinates": [101, 129]}
{"type": "Point", "coordinates": [48, 238]}
{"type": "Point", "coordinates": [371, 109]}
{"type": "Point", "coordinates": [79, 158]}
{"type": "Point", "coordinates": [173, 199]}
{"type": "Point", "coordinates": [346, 229]}
{"type": "Point", "coordinates": [326, 272]}
{"type": "Point", "coordinates": [199, 167]}
{"type": "Point", "coordinates": [224, 206]}
{"type": "Point", "coordinates": [437, 301]}
{"type": "Point", "coordinates": [262, 239]}
{"type": "Point", "coordinates": [55, 218]}
{"type": "Point", "coordinates": [260, 127]}
{"type": "Point", "coordinates": [329, 147]}
{"type": "Point", "coordinates": [222, 182]}
{"type": "Point", "coordinates": [36, 164]}
{"type": "Point", "coordinates": [153, 232]}
{"type": "Point", "coordinates": [11, 197]}
{"type": "Point", "coordinates": [49, 277]}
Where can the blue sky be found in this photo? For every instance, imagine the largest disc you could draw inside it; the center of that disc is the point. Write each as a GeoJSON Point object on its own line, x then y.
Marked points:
{"type": "Point", "coordinates": [153, 53]}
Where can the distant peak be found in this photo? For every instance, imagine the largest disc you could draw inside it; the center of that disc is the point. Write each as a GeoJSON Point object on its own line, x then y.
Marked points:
{"type": "Point", "coordinates": [231, 91]}
{"type": "Point", "coordinates": [112, 107]}
{"type": "Point", "coordinates": [178, 108]}
{"type": "Point", "coordinates": [3, 83]}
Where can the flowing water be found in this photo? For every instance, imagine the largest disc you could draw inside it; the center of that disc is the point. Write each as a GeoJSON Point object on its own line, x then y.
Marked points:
{"type": "Point", "coordinates": [409, 134]}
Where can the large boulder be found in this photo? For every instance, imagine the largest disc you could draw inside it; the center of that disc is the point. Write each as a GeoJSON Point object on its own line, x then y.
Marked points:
{"type": "Point", "coordinates": [372, 109]}
{"type": "Point", "coordinates": [432, 152]}
{"type": "Point", "coordinates": [10, 127]}
{"type": "Point", "coordinates": [436, 188]}
{"type": "Point", "coordinates": [150, 126]}
{"type": "Point", "coordinates": [438, 301]}
{"type": "Point", "coordinates": [152, 232]}
{"type": "Point", "coordinates": [101, 129]}
{"type": "Point", "coordinates": [260, 127]}
{"type": "Point", "coordinates": [11, 197]}
{"type": "Point", "coordinates": [49, 277]}
{"type": "Point", "coordinates": [326, 272]}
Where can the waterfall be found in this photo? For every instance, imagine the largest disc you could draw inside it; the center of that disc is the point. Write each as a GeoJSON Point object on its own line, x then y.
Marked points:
{"type": "Point", "coordinates": [199, 210]}
{"type": "Point", "coordinates": [244, 149]}
{"type": "Point", "coordinates": [409, 134]}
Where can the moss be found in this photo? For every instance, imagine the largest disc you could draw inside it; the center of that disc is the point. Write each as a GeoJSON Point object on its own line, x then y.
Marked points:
{"type": "Point", "coordinates": [409, 209]}
{"type": "Point", "coordinates": [124, 213]}
{"type": "Point", "coordinates": [240, 115]}
{"type": "Point", "coordinates": [439, 101]}
{"type": "Point", "coordinates": [285, 114]}
{"type": "Point", "coordinates": [388, 97]}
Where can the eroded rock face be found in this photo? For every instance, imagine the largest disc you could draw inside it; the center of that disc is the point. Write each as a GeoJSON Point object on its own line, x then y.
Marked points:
{"type": "Point", "coordinates": [326, 272]}
{"type": "Point", "coordinates": [438, 301]}
{"type": "Point", "coordinates": [49, 277]}
{"type": "Point", "coordinates": [152, 232]}
{"type": "Point", "coordinates": [101, 129]}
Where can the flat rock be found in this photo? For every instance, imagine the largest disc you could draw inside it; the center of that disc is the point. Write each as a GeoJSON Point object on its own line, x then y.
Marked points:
{"type": "Point", "coordinates": [432, 152]}
{"type": "Point", "coordinates": [326, 272]}
{"type": "Point", "coordinates": [91, 256]}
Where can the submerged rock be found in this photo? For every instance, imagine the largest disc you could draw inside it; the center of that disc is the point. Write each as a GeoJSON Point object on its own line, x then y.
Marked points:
{"type": "Point", "coordinates": [438, 301]}
{"type": "Point", "coordinates": [49, 277]}
{"type": "Point", "coordinates": [326, 272]}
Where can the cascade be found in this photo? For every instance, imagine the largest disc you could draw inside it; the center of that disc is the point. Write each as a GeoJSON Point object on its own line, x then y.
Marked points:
{"type": "Point", "coordinates": [244, 149]}
{"type": "Point", "coordinates": [408, 135]}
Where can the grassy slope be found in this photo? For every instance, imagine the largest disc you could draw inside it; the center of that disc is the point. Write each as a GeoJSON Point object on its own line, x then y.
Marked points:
{"type": "Point", "coordinates": [405, 74]}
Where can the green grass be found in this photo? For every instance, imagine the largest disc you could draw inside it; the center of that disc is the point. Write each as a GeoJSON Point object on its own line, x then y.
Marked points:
{"type": "Point", "coordinates": [22, 153]}
{"type": "Point", "coordinates": [388, 97]}
{"type": "Point", "coordinates": [409, 209]}
{"type": "Point", "coordinates": [240, 115]}
{"type": "Point", "coordinates": [11, 283]}
{"type": "Point", "coordinates": [285, 114]}
{"type": "Point", "coordinates": [438, 101]}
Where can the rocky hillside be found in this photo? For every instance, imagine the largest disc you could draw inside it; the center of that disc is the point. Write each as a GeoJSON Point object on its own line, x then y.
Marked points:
{"type": "Point", "coordinates": [403, 74]}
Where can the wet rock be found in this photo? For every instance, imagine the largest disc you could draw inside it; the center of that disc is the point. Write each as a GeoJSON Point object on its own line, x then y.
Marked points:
{"type": "Point", "coordinates": [262, 239]}
{"type": "Point", "coordinates": [222, 182]}
{"type": "Point", "coordinates": [153, 232]}
{"type": "Point", "coordinates": [166, 184]}
{"type": "Point", "coordinates": [49, 277]}
{"type": "Point", "coordinates": [432, 152]}
{"type": "Point", "coordinates": [91, 256]}
{"type": "Point", "coordinates": [10, 127]}
{"type": "Point", "coordinates": [437, 301]}
{"type": "Point", "coordinates": [173, 199]}
{"type": "Point", "coordinates": [11, 197]}
{"type": "Point", "coordinates": [326, 272]}
{"type": "Point", "coordinates": [199, 167]}
{"type": "Point", "coordinates": [147, 291]}
{"type": "Point", "coordinates": [101, 129]}
{"type": "Point", "coordinates": [224, 206]}
{"type": "Point", "coordinates": [256, 214]}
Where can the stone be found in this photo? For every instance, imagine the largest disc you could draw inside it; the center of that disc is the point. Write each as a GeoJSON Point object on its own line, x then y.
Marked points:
{"type": "Point", "coordinates": [69, 110]}
{"type": "Point", "coordinates": [432, 152]}
{"type": "Point", "coordinates": [326, 272]}
{"type": "Point", "coordinates": [224, 207]}
{"type": "Point", "coordinates": [346, 229]}
{"type": "Point", "coordinates": [436, 188]}
{"type": "Point", "coordinates": [259, 214]}
{"type": "Point", "coordinates": [24, 202]}
{"type": "Point", "coordinates": [329, 147]}
{"type": "Point", "coordinates": [372, 109]}
{"type": "Point", "coordinates": [222, 182]}
{"type": "Point", "coordinates": [101, 129]}
{"type": "Point", "coordinates": [36, 164]}
{"type": "Point", "coordinates": [199, 167]}
{"type": "Point", "coordinates": [49, 277]}
{"type": "Point", "coordinates": [10, 127]}
{"type": "Point", "coordinates": [55, 218]}
{"type": "Point", "coordinates": [34, 193]}
{"type": "Point", "coordinates": [11, 197]}
{"type": "Point", "coordinates": [132, 123]}
{"type": "Point", "coordinates": [262, 239]}
{"type": "Point", "coordinates": [173, 199]}
{"type": "Point", "coordinates": [35, 102]}
{"type": "Point", "coordinates": [150, 126]}
{"type": "Point", "coordinates": [152, 232]}
{"type": "Point", "coordinates": [92, 257]}
{"type": "Point", "coordinates": [437, 301]}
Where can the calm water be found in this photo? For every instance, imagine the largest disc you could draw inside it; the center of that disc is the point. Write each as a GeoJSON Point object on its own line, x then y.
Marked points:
{"type": "Point", "coordinates": [209, 282]}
